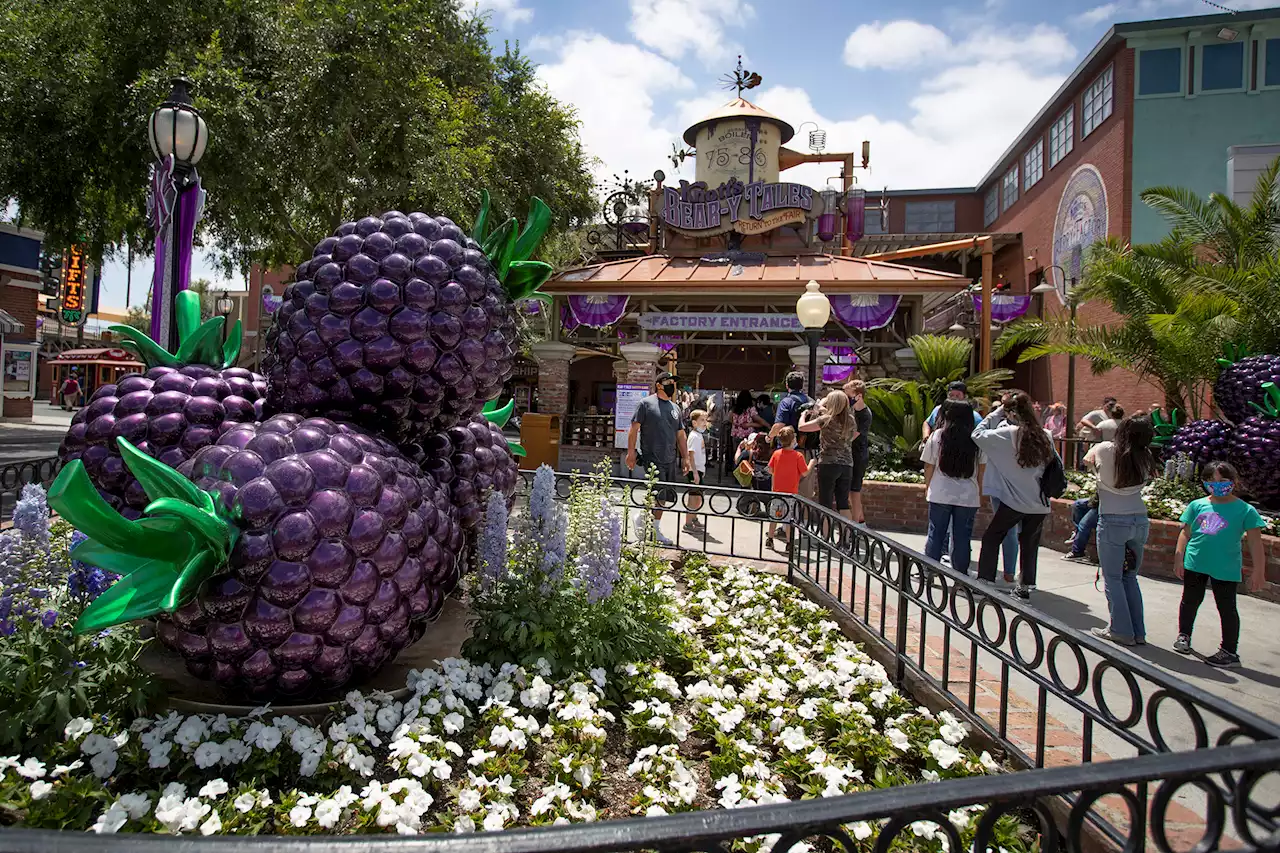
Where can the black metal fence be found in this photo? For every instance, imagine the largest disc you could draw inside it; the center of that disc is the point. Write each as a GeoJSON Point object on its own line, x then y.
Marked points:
{"type": "Point", "coordinates": [15, 475]}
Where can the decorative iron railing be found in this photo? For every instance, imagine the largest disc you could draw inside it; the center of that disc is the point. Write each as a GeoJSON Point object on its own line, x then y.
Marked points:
{"type": "Point", "coordinates": [15, 475]}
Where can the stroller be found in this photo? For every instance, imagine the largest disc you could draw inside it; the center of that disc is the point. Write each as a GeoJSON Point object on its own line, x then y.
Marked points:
{"type": "Point", "coordinates": [752, 472]}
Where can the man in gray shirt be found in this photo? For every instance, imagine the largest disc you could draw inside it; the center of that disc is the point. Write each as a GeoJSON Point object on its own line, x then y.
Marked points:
{"type": "Point", "coordinates": [657, 426]}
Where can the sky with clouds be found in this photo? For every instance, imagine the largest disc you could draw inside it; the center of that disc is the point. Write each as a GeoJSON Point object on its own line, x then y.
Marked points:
{"type": "Point", "coordinates": [939, 88]}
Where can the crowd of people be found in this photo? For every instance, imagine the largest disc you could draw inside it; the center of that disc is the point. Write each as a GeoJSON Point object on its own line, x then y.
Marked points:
{"type": "Point", "coordinates": [1007, 456]}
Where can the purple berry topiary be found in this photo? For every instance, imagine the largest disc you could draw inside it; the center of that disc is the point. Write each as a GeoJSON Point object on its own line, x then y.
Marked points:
{"type": "Point", "coordinates": [1240, 382]}
{"type": "Point", "coordinates": [1203, 441]}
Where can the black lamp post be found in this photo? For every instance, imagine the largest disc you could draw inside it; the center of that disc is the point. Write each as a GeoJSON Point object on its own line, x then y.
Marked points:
{"type": "Point", "coordinates": [814, 310]}
{"type": "Point", "coordinates": [1045, 286]}
{"type": "Point", "coordinates": [175, 129]}
{"type": "Point", "coordinates": [224, 305]}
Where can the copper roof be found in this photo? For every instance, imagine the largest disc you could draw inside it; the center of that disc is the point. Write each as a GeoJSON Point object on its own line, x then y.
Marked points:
{"type": "Point", "coordinates": [737, 108]}
{"type": "Point", "coordinates": [778, 275]}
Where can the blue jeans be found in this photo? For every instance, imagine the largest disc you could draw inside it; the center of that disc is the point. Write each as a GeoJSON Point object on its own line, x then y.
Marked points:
{"type": "Point", "coordinates": [1124, 599]}
{"type": "Point", "coordinates": [957, 521]}
{"type": "Point", "coordinates": [1009, 547]}
{"type": "Point", "coordinates": [1085, 518]}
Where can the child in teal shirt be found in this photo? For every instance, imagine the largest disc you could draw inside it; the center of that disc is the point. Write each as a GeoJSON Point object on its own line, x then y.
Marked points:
{"type": "Point", "coordinates": [1209, 552]}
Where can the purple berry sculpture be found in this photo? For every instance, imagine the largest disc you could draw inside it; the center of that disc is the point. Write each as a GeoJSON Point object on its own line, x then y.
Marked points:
{"type": "Point", "coordinates": [472, 459]}
{"type": "Point", "coordinates": [1239, 384]}
{"type": "Point", "coordinates": [403, 324]}
{"type": "Point", "coordinates": [1255, 448]}
{"type": "Point", "coordinates": [1203, 441]}
{"type": "Point", "coordinates": [288, 557]}
{"type": "Point", "coordinates": [181, 404]}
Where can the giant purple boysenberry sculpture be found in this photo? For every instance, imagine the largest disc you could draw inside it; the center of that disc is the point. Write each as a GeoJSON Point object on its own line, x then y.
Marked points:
{"type": "Point", "coordinates": [182, 403]}
{"type": "Point", "coordinates": [1240, 382]}
{"type": "Point", "coordinates": [1255, 449]}
{"type": "Point", "coordinates": [290, 556]}
{"type": "Point", "coordinates": [471, 459]}
{"type": "Point", "coordinates": [403, 324]}
{"type": "Point", "coordinates": [1203, 441]}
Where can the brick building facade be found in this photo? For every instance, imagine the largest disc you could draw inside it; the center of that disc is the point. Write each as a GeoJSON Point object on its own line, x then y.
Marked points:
{"type": "Point", "coordinates": [20, 288]}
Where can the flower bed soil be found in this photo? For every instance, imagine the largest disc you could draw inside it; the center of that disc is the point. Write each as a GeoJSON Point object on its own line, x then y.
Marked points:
{"type": "Point", "coordinates": [766, 701]}
{"type": "Point", "coordinates": [902, 506]}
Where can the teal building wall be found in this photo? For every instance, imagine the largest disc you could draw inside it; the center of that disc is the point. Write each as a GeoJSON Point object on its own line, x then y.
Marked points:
{"type": "Point", "coordinates": [1183, 142]}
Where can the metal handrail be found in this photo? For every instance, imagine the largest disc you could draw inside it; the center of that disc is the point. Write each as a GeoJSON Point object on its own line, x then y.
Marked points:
{"type": "Point", "coordinates": [15, 475]}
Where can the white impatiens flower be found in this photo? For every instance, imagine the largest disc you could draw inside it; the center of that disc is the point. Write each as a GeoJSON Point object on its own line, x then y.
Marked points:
{"type": "Point", "coordinates": [137, 805]}
{"type": "Point", "coordinates": [212, 826]}
{"type": "Point", "coordinates": [327, 813]}
{"type": "Point", "coordinates": [31, 769]}
{"type": "Point", "coordinates": [104, 763]}
{"type": "Point", "coordinates": [898, 739]}
{"type": "Point", "coordinates": [77, 728]}
{"type": "Point", "coordinates": [299, 815]}
{"type": "Point", "coordinates": [944, 753]}
{"type": "Point", "coordinates": [208, 754]}
{"type": "Point", "coordinates": [63, 769]}
{"type": "Point", "coordinates": [267, 738]}
{"type": "Point", "coordinates": [793, 739]}
{"type": "Point", "coordinates": [244, 803]}
{"type": "Point", "coordinates": [40, 789]}
{"type": "Point", "coordinates": [110, 821]}
{"type": "Point", "coordinates": [453, 723]}
{"type": "Point", "coordinates": [213, 789]}
{"type": "Point", "coordinates": [468, 799]}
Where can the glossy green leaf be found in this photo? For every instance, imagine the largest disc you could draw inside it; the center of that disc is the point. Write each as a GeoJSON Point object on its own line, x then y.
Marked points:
{"type": "Point", "coordinates": [496, 240]}
{"type": "Point", "coordinates": [151, 353]}
{"type": "Point", "coordinates": [134, 597]}
{"type": "Point", "coordinates": [516, 448]}
{"type": "Point", "coordinates": [105, 557]}
{"type": "Point", "coordinates": [231, 349]}
{"type": "Point", "coordinates": [187, 312]}
{"type": "Point", "coordinates": [523, 278]}
{"type": "Point", "coordinates": [216, 532]}
{"type": "Point", "coordinates": [498, 417]}
{"type": "Point", "coordinates": [195, 572]}
{"type": "Point", "coordinates": [535, 228]}
{"type": "Point", "coordinates": [159, 480]}
{"type": "Point", "coordinates": [75, 499]}
{"type": "Point", "coordinates": [1270, 400]}
{"type": "Point", "coordinates": [205, 344]}
{"type": "Point", "coordinates": [482, 219]}
{"type": "Point", "coordinates": [505, 254]}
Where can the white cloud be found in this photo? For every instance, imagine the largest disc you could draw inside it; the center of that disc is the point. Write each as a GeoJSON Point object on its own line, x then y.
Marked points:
{"type": "Point", "coordinates": [676, 27]}
{"type": "Point", "coordinates": [896, 44]}
{"type": "Point", "coordinates": [1041, 45]}
{"type": "Point", "coordinates": [507, 12]}
{"type": "Point", "coordinates": [1105, 13]}
{"type": "Point", "coordinates": [614, 87]}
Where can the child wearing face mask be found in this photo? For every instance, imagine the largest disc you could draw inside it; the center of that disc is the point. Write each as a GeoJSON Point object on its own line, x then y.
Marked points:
{"type": "Point", "coordinates": [697, 445]}
{"type": "Point", "coordinates": [1209, 553]}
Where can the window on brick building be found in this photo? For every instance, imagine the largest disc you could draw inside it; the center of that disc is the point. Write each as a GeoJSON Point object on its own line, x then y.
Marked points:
{"type": "Point", "coordinates": [991, 205]}
{"type": "Point", "coordinates": [930, 217]}
{"type": "Point", "coordinates": [1160, 71]}
{"type": "Point", "coordinates": [873, 221]}
{"type": "Point", "coordinates": [1009, 188]}
{"type": "Point", "coordinates": [1062, 137]}
{"type": "Point", "coordinates": [1222, 67]}
{"type": "Point", "coordinates": [1097, 103]}
{"type": "Point", "coordinates": [1033, 164]}
{"type": "Point", "coordinates": [1271, 62]}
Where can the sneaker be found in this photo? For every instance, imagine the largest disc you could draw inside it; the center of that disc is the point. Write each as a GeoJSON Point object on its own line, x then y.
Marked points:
{"type": "Point", "coordinates": [1105, 634]}
{"type": "Point", "coordinates": [662, 540]}
{"type": "Point", "coordinates": [1182, 645]}
{"type": "Point", "coordinates": [1223, 659]}
{"type": "Point", "coordinates": [1077, 558]}
{"type": "Point", "coordinates": [945, 560]}
{"type": "Point", "coordinates": [1070, 541]}
{"type": "Point", "coordinates": [1023, 592]}
{"type": "Point", "coordinates": [1010, 578]}
{"type": "Point", "coordinates": [692, 526]}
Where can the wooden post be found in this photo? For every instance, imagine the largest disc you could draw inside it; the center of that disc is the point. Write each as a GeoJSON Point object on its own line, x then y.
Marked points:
{"type": "Point", "coordinates": [984, 328]}
{"type": "Point", "coordinates": [846, 248]}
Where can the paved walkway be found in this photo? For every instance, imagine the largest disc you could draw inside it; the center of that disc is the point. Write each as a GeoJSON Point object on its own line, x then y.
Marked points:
{"type": "Point", "coordinates": [34, 439]}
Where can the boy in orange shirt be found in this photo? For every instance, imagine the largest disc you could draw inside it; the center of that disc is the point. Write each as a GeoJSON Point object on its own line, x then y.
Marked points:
{"type": "Point", "coordinates": [788, 466]}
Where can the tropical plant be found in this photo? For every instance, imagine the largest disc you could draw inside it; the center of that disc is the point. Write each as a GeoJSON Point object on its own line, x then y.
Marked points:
{"type": "Point", "coordinates": [899, 413]}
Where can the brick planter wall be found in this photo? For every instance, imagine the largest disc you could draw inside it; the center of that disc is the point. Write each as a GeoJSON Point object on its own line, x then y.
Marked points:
{"type": "Point", "coordinates": [902, 506]}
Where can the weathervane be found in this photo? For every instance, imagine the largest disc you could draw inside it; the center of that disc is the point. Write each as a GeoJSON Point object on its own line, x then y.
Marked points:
{"type": "Point", "coordinates": [741, 79]}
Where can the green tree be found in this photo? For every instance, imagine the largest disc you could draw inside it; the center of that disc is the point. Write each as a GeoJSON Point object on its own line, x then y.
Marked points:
{"type": "Point", "coordinates": [319, 111]}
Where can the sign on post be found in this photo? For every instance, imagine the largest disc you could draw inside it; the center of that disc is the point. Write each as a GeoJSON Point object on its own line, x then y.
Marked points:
{"type": "Point", "coordinates": [72, 300]}
{"type": "Point", "coordinates": [629, 397]}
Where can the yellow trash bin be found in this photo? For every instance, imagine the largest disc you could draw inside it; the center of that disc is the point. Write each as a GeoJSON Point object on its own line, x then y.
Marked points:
{"type": "Point", "coordinates": [540, 435]}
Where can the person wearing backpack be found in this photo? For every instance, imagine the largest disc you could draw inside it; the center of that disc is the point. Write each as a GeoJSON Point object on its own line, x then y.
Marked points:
{"type": "Point", "coordinates": [1124, 466]}
{"type": "Point", "coordinates": [790, 407]}
{"type": "Point", "coordinates": [1019, 452]}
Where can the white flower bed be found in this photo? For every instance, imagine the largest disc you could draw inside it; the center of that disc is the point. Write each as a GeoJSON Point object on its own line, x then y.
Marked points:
{"type": "Point", "coordinates": [768, 702]}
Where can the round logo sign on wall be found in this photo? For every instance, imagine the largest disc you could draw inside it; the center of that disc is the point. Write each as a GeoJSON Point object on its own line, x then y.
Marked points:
{"type": "Point", "coordinates": [1081, 221]}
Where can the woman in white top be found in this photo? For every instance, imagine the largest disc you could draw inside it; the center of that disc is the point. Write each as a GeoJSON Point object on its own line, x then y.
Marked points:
{"type": "Point", "coordinates": [1124, 466]}
{"type": "Point", "coordinates": [1018, 450]}
{"type": "Point", "coordinates": [953, 480]}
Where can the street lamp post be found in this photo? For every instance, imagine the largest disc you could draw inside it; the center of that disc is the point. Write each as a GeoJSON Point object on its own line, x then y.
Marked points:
{"type": "Point", "coordinates": [178, 138]}
{"type": "Point", "coordinates": [224, 305]}
{"type": "Point", "coordinates": [1069, 285]}
{"type": "Point", "coordinates": [814, 310]}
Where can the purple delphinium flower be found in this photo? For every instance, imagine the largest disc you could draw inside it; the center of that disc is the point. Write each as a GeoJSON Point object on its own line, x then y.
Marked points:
{"type": "Point", "coordinates": [49, 619]}
{"type": "Point", "coordinates": [493, 542]}
{"type": "Point", "coordinates": [549, 523]}
{"type": "Point", "coordinates": [31, 516]}
{"type": "Point", "coordinates": [599, 554]}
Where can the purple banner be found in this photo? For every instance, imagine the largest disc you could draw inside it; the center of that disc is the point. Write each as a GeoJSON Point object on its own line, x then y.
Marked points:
{"type": "Point", "coordinates": [1004, 307]}
{"type": "Point", "coordinates": [865, 312]}
{"type": "Point", "coordinates": [840, 365]}
{"type": "Point", "coordinates": [598, 312]}
{"type": "Point", "coordinates": [567, 321]}
{"type": "Point", "coordinates": [190, 206]}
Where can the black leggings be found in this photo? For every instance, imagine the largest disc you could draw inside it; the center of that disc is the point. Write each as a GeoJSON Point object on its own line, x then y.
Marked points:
{"type": "Point", "coordinates": [1224, 595]}
{"type": "Point", "coordinates": [833, 485]}
{"type": "Point", "coordinates": [1005, 519]}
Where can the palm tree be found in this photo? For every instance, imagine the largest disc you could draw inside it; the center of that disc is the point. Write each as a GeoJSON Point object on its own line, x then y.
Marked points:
{"type": "Point", "coordinates": [1215, 278]}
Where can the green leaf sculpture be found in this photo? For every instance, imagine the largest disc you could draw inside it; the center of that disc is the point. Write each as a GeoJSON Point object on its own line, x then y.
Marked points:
{"type": "Point", "coordinates": [1233, 353]}
{"type": "Point", "coordinates": [1164, 429]}
{"type": "Point", "coordinates": [199, 343]}
{"type": "Point", "coordinates": [499, 417]}
{"type": "Point", "coordinates": [509, 248]}
{"type": "Point", "coordinates": [163, 558]}
{"type": "Point", "coordinates": [1271, 402]}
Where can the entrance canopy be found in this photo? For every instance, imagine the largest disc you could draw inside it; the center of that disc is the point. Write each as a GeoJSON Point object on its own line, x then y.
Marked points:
{"type": "Point", "coordinates": [774, 276]}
